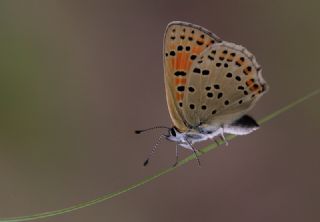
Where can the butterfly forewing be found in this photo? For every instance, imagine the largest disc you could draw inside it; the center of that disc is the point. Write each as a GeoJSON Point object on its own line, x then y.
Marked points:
{"type": "Point", "coordinates": [183, 44]}
{"type": "Point", "coordinates": [224, 83]}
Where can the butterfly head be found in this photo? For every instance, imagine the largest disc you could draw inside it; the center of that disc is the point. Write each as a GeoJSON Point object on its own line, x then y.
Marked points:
{"type": "Point", "coordinates": [175, 135]}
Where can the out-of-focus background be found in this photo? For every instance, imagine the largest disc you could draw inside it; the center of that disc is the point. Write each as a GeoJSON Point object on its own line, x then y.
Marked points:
{"type": "Point", "coordinates": [77, 77]}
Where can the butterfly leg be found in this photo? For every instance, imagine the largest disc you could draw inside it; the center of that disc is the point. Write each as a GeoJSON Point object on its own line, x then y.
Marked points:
{"type": "Point", "coordinates": [217, 142]}
{"type": "Point", "coordinates": [222, 137]}
{"type": "Point", "coordinates": [194, 151]}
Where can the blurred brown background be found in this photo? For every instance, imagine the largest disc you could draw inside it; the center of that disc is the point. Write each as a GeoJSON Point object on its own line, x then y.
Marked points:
{"type": "Point", "coordinates": [77, 77]}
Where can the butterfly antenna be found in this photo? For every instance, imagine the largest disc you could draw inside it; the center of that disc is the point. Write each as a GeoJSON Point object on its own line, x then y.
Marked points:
{"type": "Point", "coordinates": [194, 151]}
{"type": "Point", "coordinates": [152, 128]}
{"type": "Point", "coordinates": [177, 156]}
{"type": "Point", "coordinates": [154, 149]}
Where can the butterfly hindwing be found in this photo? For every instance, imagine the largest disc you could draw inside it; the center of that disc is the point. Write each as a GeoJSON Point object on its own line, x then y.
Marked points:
{"type": "Point", "coordinates": [183, 44]}
{"type": "Point", "coordinates": [224, 83]}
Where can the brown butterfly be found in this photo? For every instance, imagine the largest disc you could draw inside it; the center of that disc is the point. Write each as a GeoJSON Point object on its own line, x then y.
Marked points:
{"type": "Point", "coordinates": [210, 86]}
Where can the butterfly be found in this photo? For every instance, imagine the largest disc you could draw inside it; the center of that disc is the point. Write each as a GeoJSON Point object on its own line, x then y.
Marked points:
{"type": "Point", "coordinates": [210, 85]}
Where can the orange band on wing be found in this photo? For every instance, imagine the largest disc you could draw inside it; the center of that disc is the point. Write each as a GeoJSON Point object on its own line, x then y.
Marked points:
{"type": "Point", "coordinates": [249, 82]}
{"type": "Point", "coordinates": [186, 64]}
{"type": "Point", "coordinates": [180, 81]}
{"type": "Point", "coordinates": [254, 87]}
{"type": "Point", "coordinates": [179, 96]}
{"type": "Point", "coordinates": [182, 61]}
{"type": "Point", "coordinates": [178, 60]}
{"type": "Point", "coordinates": [197, 50]}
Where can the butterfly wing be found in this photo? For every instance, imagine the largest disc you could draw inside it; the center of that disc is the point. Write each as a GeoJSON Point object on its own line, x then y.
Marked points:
{"type": "Point", "coordinates": [183, 44]}
{"type": "Point", "coordinates": [224, 83]}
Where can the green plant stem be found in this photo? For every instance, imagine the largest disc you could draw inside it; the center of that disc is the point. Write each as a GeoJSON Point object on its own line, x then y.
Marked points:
{"type": "Point", "coordinates": [150, 178]}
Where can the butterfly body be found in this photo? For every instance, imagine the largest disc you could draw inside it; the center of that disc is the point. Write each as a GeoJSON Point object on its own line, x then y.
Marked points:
{"type": "Point", "coordinates": [191, 137]}
{"type": "Point", "coordinates": [241, 126]}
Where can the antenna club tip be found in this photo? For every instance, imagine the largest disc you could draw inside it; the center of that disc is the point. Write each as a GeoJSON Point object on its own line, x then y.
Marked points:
{"type": "Point", "coordinates": [146, 162]}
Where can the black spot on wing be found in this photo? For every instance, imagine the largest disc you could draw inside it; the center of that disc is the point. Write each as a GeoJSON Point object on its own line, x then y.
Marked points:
{"type": "Point", "coordinates": [191, 89]}
{"type": "Point", "coordinates": [196, 70]}
{"type": "Point", "coordinates": [210, 57]}
{"type": "Point", "coordinates": [180, 73]}
{"type": "Point", "coordinates": [200, 42]}
{"type": "Point", "coordinates": [193, 57]}
{"type": "Point", "coordinates": [180, 88]}
{"type": "Point", "coordinates": [210, 94]}
{"type": "Point", "coordinates": [205, 72]}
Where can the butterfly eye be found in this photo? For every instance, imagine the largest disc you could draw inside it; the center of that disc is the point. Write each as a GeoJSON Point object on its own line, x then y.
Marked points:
{"type": "Point", "coordinates": [173, 133]}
